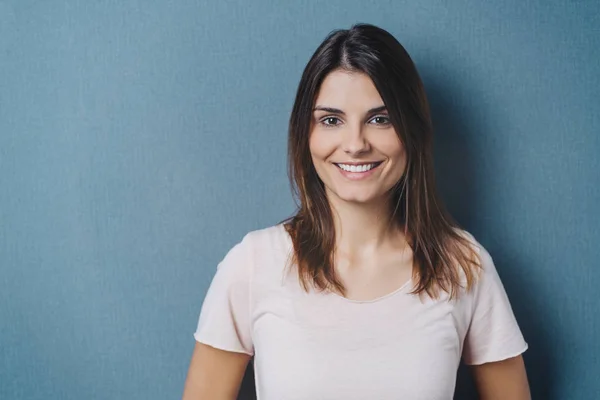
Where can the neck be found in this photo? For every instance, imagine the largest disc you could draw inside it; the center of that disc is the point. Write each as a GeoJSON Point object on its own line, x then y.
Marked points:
{"type": "Point", "coordinates": [363, 228]}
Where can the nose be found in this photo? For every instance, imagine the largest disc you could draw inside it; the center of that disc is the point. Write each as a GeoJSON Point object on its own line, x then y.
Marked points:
{"type": "Point", "coordinates": [355, 142]}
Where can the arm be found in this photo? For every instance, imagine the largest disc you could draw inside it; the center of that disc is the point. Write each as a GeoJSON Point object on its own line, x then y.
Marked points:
{"type": "Point", "coordinates": [502, 380]}
{"type": "Point", "coordinates": [224, 333]}
{"type": "Point", "coordinates": [214, 374]}
{"type": "Point", "coordinates": [494, 342]}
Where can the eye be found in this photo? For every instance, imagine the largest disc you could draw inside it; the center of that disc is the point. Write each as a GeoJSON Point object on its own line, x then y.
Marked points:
{"type": "Point", "coordinates": [330, 121]}
{"type": "Point", "coordinates": [380, 120]}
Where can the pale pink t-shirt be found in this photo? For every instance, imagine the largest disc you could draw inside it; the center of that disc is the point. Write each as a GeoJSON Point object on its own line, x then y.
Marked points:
{"type": "Point", "coordinates": [321, 346]}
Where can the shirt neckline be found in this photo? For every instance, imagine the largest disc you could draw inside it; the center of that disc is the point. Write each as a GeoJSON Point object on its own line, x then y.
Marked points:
{"type": "Point", "coordinates": [381, 298]}
{"type": "Point", "coordinates": [376, 299]}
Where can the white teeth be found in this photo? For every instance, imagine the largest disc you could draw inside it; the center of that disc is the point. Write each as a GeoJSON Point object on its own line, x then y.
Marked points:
{"type": "Point", "coordinates": [356, 168]}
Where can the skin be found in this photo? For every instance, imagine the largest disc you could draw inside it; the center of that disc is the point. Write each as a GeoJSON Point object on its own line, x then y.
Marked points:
{"type": "Point", "coordinates": [350, 125]}
{"type": "Point", "coordinates": [214, 374]}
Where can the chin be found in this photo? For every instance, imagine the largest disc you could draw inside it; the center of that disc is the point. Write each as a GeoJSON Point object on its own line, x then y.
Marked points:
{"type": "Point", "coordinates": [356, 198]}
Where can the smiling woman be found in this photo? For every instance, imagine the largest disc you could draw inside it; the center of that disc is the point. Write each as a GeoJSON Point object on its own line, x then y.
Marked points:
{"type": "Point", "coordinates": [370, 291]}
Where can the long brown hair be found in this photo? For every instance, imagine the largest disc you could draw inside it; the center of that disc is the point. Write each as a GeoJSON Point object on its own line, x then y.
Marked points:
{"type": "Point", "coordinates": [438, 245]}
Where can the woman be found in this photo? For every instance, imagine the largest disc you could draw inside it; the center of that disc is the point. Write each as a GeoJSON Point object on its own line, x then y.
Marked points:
{"type": "Point", "coordinates": [370, 291]}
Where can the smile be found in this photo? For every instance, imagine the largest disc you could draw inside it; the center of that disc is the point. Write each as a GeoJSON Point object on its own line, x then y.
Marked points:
{"type": "Point", "coordinates": [358, 167]}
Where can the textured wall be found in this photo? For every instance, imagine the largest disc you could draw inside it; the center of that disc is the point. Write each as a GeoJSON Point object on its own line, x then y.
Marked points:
{"type": "Point", "coordinates": [140, 139]}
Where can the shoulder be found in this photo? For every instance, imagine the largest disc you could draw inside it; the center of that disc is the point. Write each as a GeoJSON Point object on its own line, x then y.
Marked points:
{"type": "Point", "coordinates": [488, 283]}
{"type": "Point", "coordinates": [482, 268]}
{"type": "Point", "coordinates": [264, 246]}
{"type": "Point", "coordinates": [251, 252]}
{"type": "Point", "coordinates": [484, 259]}
{"type": "Point", "coordinates": [271, 237]}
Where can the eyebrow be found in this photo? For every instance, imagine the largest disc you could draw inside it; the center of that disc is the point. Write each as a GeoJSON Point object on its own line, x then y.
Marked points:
{"type": "Point", "coordinates": [340, 112]}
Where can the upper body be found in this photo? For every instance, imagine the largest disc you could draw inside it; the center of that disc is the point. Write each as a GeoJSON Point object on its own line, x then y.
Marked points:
{"type": "Point", "coordinates": [371, 290]}
{"type": "Point", "coordinates": [319, 345]}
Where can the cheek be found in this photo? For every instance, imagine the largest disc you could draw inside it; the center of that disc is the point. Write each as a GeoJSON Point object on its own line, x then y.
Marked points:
{"type": "Point", "coordinates": [400, 157]}
{"type": "Point", "coordinates": [392, 142]}
{"type": "Point", "coordinates": [320, 146]}
{"type": "Point", "coordinates": [400, 162]}
{"type": "Point", "coordinates": [390, 145]}
{"type": "Point", "coordinates": [395, 151]}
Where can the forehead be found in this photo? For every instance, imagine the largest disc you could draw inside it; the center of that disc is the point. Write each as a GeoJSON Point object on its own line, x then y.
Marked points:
{"type": "Point", "coordinates": [348, 90]}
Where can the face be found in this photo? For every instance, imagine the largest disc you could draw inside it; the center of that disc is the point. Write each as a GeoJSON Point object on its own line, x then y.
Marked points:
{"type": "Point", "coordinates": [354, 147]}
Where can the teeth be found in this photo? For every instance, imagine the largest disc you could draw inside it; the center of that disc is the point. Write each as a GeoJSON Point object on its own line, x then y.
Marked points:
{"type": "Point", "coordinates": [356, 168]}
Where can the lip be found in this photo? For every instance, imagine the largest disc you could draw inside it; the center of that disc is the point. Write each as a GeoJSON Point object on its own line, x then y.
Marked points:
{"type": "Point", "coordinates": [357, 176]}
{"type": "Point", "coordinates": [359, 162]}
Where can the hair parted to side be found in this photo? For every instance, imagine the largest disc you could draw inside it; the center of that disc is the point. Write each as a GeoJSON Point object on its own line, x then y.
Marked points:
{"type": "Point", "coordinates": [440, 250]}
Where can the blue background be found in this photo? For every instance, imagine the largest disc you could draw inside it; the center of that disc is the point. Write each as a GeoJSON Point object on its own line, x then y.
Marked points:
{"type": "Point", "coordinates": [139, 140]}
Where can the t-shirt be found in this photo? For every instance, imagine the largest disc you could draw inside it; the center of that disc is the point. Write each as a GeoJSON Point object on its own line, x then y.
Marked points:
{"type": "Point", "coordinates": [320, 345]}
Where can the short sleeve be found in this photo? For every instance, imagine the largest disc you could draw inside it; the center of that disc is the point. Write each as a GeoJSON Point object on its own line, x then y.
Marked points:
{"type": "Point", "coordinates": [493, 333]}
{"type": "Point", "coordinates": [224, 322]}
